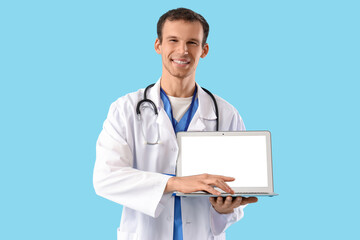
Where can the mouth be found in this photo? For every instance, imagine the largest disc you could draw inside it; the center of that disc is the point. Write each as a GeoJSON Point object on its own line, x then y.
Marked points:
{"type": "Point", "coordinates": [181, 62]}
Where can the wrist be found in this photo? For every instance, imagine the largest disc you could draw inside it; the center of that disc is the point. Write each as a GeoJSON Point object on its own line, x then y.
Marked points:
{"type": "Point", "coordinates": [170, 185]}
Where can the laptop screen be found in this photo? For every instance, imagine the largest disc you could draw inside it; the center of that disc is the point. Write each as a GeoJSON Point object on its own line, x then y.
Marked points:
{"type": "Point", "coordinates": [241, 157]}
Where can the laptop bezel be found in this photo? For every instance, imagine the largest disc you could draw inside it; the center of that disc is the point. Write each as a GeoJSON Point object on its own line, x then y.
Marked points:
{"type": "Point", "coordinates": [269, 189]}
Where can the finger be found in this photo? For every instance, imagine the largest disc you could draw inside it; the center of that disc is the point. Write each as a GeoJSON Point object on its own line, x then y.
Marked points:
{"type": "Point", "coordinates": [223, 186]}
{"type": "Point", "coordinates": [211, 190]}
{"type": "Point", "coordinates": [226, 178]}
{"type": "Point", "coordinates": [228, 202]}
{"type": "Point", "coordinates": [212, 201]}
{"type": "Point", "coordinates": [219, 201]}
{"type": "Point", "coordinates": [249, 200]}
{"type": "Point", "coordinates": [230, 190]}
{"type": "Point", "coordinates": [236, 202]}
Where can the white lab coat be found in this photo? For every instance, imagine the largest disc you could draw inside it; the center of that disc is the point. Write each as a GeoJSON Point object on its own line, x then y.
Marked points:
{"type": "Point", "coordinates": [130, 172]}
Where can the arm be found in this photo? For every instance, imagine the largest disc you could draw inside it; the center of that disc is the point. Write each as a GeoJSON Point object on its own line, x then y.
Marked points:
{"type": "Point", "coordinates": [114, 176]}
{"type": "Point", "coordinates": [203, 182]}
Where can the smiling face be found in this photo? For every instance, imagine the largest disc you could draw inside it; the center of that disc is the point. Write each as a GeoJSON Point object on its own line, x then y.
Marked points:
{"type": "Point", "coordinates": [181, 48]}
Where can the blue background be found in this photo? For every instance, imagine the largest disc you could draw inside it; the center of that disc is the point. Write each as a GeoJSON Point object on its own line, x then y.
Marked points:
{"type": "Point", "coordinates": [288, 66]}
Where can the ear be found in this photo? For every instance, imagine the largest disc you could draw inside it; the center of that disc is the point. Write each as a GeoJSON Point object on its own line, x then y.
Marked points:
{"type": "Point", "coordinates": [157, 46]}
{"type": "Point", "coordinates": [205, 50]}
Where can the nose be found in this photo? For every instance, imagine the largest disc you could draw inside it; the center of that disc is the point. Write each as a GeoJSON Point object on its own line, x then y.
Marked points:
{"type": "Point", "coordinates": [183, 48]}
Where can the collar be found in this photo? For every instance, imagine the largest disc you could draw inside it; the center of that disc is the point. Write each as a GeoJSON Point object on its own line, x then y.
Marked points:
{"type": "Point", "coordinates": [206, 108]}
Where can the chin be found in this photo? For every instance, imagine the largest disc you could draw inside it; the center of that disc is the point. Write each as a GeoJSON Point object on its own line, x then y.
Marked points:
{"type": "Point", "coordinates": [181, 75]}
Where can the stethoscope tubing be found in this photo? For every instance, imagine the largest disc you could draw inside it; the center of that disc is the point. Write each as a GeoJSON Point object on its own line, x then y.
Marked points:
{"type": "Point", "coordinates": [216, 107]}
{"type": "Point", "coordinates": [145, 99]}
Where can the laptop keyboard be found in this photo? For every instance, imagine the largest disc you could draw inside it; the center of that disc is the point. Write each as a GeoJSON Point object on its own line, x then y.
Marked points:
{"type": "Point", "coordinates": [251, 193]}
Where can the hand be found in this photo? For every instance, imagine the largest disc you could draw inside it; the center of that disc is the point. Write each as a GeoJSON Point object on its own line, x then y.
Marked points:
{"type": "Point", "coordinates": [203, 182]}
{"type": "Point", "coordinates": [227, 205]}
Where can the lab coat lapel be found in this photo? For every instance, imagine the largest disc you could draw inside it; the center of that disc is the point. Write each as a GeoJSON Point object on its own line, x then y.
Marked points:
{"type": "Point", "coordinates": [164, 123]}
{"type": "Point", "coordinates": [197, 123]}
{"type": "Point", "coordinates": [163, 120]}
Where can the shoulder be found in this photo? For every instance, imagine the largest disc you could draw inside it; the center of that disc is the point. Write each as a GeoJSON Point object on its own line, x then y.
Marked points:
{"type": "Point", "coordinates": [125, 106]}
{"type": "Point", "coordinates": [128, 100]}
{"type": "Point", "coordinates": [230, 119]}
{"type": "Point", "coordinates": [225, 106]}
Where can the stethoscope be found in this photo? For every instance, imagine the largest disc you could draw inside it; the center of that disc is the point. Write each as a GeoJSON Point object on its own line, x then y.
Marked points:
{"type": "Point", "coordinates": [146, 100]}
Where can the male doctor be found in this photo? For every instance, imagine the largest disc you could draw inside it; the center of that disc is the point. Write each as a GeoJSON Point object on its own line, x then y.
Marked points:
{"type": "Point", "coordinates": [136, 154]}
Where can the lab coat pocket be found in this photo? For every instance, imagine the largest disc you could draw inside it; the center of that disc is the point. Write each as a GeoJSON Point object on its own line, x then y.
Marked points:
{"type": "Point", "coordinates": [210, 124]}
{"type": "Point", "coordinates": [126, 235]}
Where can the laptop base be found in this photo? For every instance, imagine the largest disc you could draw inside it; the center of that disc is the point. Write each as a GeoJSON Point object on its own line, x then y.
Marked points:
{"type": "Point", "coordinates": [244, 194]}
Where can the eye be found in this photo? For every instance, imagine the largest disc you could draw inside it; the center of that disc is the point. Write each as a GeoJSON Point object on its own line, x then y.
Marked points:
{"type": "Point", "coordinates": [172, 40]}
{"type": "Point", "coordinates": [193, 43]}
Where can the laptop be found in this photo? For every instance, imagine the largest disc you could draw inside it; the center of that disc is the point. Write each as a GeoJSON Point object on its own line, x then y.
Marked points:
{"type": "Point", "coordinates": [245, 155]}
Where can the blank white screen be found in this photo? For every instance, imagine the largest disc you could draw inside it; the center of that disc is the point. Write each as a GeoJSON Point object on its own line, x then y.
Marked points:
{"type": "Point", "coordinates": [241, 157]}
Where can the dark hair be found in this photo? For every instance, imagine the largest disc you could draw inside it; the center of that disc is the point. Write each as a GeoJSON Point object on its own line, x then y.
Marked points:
{"type": "Point", "coordinates": [182, 14]}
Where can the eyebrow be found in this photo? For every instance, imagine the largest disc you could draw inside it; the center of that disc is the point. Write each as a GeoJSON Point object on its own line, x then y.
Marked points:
{"type": "Point", "coordinates": [171, 37]}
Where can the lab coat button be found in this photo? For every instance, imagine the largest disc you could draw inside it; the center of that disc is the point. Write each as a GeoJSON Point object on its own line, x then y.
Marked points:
{"type": "Point", "coordinates": [169, 218]}
{"type": "Point", "coordinates": [173, 149]}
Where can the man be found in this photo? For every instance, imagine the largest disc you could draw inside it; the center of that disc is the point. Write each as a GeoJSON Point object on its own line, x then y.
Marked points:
{"type": "Point", "coordinates": [137, 148]}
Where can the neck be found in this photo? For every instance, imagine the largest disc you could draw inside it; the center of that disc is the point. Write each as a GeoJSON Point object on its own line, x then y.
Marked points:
{"type": "Point", "coordinates": [178, 87]}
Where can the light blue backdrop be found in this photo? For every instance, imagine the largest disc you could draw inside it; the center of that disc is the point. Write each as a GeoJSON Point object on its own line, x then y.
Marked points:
{"type": "Point", "coordinates": [288, 66]}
